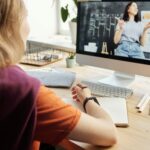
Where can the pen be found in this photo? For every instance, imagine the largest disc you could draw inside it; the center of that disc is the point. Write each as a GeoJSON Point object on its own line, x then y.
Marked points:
{"type": "Point", "coordinates": [117, 18]}
{"type": "Point", "coordinates": [142, 101]}
{"type": "Point", "coordinates": [144, 104]}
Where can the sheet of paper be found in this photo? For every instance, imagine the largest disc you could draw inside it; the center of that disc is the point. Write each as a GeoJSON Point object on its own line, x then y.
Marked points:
{"type": "Point", "coordinates": [115, 107]}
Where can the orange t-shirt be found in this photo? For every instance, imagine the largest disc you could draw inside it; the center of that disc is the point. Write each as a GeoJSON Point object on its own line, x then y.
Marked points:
{"type": "Point", "coordinates": [55, 119]}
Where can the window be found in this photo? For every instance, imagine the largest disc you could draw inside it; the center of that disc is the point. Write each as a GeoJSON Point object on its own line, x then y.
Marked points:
{"type": "Point", "coordinates": [64, 27]}
{"type": "Point", "coordinates": [45, 18]}
{"type": "Point", "coordinates": [42, 15]}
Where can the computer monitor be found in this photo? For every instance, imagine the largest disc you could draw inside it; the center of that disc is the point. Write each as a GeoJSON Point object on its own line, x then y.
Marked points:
{"type": "Point", "coordinates": [112, 38]}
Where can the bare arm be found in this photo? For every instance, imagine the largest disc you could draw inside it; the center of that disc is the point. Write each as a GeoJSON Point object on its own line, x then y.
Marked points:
{"type": "Point", "coordinates": [143, 37]}
{"type": "Point", "coordinates": [119, 31]}
{"type": "Point", "coordinates": [95, 127]}
{"type": "Point", "coordinates": [117, 36]}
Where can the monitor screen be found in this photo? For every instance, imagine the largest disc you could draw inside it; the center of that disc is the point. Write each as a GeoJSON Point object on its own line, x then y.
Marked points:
{"type": "Point", "coordinates": [114, 29]}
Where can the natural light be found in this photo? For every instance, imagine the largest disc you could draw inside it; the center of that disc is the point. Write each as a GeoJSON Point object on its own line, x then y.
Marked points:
{"type": "Point", "coordinates": [44, 17]}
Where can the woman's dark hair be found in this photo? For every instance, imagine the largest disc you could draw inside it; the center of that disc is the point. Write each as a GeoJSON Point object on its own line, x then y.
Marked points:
{"type": "Point", "coordinates": [126, 15]}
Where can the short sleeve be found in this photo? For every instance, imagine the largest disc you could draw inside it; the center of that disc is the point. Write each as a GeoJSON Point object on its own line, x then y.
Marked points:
{"type": "Point", "coordinates": [55, 119]}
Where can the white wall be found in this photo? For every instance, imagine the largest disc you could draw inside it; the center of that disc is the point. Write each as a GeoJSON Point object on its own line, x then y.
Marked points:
{"type": "Point", "coordinates": [64, 27]}
{"type": "Point", "coordinates": [43, 18]}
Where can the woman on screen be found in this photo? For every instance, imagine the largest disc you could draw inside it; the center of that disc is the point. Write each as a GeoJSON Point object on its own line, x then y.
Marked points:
{"type": "Point", "coordinates": [130, 33]}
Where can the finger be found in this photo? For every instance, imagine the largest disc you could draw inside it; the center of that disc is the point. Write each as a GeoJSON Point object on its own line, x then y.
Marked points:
{"type": "Point", "coordinates": [73, 88]}
{"type": "Point", "coordinates": [77, 100]}
{"type": "Point", "coordinates": [75, 97]}
{"type": "Point", "coordinates": [77, 89]}
{"type": "Point", "coordinates": [74, 92]}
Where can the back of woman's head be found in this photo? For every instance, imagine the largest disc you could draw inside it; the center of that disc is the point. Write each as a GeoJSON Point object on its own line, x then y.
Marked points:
{"type": "Point", "coordinates": [11, 43]}
{"type": "Point", "coordinates": [126, 14]}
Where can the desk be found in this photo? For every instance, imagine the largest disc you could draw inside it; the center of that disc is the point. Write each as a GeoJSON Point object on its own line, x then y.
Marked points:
{"type": "Point", "coordinates": [137, 135]}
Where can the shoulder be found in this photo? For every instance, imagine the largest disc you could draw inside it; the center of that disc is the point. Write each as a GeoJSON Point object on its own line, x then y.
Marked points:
{"type": "Point", "coordinates": [17, 89]}
{"type": "Point", "coordinates": [17, 74]}
{"type": "Point", "coordinates": [13, 77]}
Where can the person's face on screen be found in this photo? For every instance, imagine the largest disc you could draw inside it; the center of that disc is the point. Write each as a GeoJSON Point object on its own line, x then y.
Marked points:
{"type": "Point", "coordinates": [133, 9]}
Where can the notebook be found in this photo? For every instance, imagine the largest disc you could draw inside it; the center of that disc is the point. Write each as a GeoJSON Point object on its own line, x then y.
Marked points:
{"type": "Point", "coordinates": [54, 77]}
{"type": "Point", "coordinates": [115, 107]}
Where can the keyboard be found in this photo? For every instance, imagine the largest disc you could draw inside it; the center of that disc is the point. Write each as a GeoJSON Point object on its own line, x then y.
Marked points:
{"type": "Point", "coordinates": [106, 90]}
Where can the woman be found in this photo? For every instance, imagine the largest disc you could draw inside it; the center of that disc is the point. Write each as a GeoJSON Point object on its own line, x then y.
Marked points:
{"type": "Point", "coordinates": [130, 33]}
{"type": "Point", "coordinates": [31, 112]}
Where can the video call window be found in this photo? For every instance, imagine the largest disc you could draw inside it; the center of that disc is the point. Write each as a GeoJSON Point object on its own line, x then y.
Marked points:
{"type": "Point", "coordinates": [115, 29]}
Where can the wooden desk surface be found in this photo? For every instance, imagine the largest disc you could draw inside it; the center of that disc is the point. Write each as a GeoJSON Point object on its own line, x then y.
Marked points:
{"type": "Point", "coordinates": [137, 135]}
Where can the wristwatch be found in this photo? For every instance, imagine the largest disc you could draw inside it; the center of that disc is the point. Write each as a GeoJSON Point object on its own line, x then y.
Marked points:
{"type": "Point", "coordinates": [87, 99]}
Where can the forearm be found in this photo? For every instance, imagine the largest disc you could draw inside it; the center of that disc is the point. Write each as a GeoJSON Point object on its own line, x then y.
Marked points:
{"type": "Point", "coordinates": [117, 36]}
{"type": "Point", "coordinates": [97, 111]}
{"type": "Point", "coordinates": [96, 128]}
{"type": "Point", "coordinates": [143, 38]}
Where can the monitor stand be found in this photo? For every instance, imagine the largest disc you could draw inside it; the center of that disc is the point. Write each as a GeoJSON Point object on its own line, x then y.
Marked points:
{"type": "Point", "coordinates": [119, 79]}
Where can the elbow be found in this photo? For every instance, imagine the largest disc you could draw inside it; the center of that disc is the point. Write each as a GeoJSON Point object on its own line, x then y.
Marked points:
{"type": "Point", "coordinates": [114, 136]}
{"type": "Point", "coordinates": [110, 139]}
